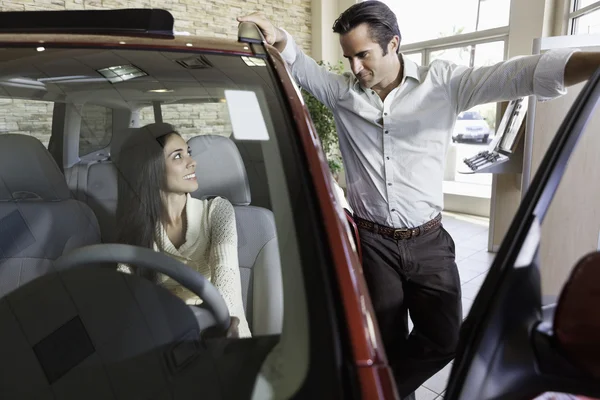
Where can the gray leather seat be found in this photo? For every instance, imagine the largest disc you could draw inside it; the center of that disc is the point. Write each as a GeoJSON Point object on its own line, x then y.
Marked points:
{"type": "Point", "coordinates": [39, 221]}
{"type": "Point", "coordinates": [220, 172]}
{"type": "Point", "coordinates": [95, 184]}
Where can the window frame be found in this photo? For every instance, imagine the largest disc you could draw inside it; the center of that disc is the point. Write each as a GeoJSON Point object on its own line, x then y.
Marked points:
{"type": "Point", "coordinates": [450, 42]}
{"type": "Point", "coordinates": [575, 13]}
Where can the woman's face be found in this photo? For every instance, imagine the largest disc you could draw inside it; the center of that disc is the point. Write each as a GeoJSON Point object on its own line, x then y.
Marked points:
{"type": "Point", "coordinates": [180, 167]}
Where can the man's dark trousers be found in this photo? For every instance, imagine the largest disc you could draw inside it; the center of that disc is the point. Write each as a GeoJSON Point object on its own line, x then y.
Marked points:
{"type": "Point", "coordinates": [417, 275]}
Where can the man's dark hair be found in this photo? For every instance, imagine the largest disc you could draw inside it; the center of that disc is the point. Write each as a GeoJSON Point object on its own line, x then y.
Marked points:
{"type": "Point", "coordinates": [382, 22]}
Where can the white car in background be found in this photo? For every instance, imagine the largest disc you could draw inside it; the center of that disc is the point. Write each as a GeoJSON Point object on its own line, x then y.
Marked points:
{"type": "Point", "coordinates": [471, 126]}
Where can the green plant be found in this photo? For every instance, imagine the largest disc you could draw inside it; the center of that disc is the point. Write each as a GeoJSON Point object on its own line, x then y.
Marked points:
{"type": "Point", "coordinates": [325, 124]}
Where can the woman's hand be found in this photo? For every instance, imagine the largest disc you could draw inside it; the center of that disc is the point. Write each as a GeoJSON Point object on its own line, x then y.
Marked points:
{"type": "Point", "coordinates": [233, 331]}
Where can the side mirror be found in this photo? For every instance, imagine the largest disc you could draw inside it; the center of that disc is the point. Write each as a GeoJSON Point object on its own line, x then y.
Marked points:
{"type": "Point", "coordinates": [577, 320]}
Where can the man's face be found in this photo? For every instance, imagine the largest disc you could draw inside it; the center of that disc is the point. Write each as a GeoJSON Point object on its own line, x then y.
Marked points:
{"type": "Point", "coordinates": [366, 58]}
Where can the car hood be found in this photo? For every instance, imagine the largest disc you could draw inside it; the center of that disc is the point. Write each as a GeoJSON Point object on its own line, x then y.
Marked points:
{"type": "Point", "coordinates": [462, 125]}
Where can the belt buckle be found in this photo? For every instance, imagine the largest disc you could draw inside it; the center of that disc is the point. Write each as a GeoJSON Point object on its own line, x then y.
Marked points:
{"type": "Point", "coordinates": [402, 233]}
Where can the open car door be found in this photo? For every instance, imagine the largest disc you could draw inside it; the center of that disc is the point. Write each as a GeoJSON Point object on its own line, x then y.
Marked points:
{"type": "Point", "coordinates": [511, 347]}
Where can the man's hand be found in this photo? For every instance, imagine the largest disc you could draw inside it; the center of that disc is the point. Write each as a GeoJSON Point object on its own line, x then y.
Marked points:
{"type": "Point", "coordinates": [273, 35]}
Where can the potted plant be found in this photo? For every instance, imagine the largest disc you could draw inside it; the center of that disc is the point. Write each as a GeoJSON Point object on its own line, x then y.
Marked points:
{"type": "Point", "coordinates": [325, 124]}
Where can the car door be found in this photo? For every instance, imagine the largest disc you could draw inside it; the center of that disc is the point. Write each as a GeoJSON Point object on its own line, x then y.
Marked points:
{"type": "Point", "coordinates": [512, 347]}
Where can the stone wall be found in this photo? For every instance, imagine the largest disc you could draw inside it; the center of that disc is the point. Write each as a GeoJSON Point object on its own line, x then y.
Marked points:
{"type": "Point", "coordinates": [212, 18]}
{"type": "Point", "coordinates": [193, 119]}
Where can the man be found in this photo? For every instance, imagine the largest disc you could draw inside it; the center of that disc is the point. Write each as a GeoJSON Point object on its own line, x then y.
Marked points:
{"type": "Point", "coordinates": [395, 120]}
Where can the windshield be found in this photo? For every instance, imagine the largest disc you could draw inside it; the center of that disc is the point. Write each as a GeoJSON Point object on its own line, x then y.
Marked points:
{"type": "Point", "coordinates": [190, 154]}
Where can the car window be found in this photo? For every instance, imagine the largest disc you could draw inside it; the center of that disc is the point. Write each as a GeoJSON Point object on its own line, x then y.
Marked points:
{"type": "Point", "coordinates": [26, 116]}
{"type": "Point", "coordinates": [211, 118]}
{"type": "Point", "coordinates": [256, 180]}
{"type": "Point", "coordinates": [96, 128]}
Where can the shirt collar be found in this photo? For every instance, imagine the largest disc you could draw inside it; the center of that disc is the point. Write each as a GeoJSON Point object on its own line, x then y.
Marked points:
{"type": "Point", "coordinates": [410, 69]}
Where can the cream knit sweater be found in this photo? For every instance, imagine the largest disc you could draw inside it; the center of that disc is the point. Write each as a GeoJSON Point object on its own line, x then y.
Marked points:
{"type": "Point", "coordinates": [210, 248]}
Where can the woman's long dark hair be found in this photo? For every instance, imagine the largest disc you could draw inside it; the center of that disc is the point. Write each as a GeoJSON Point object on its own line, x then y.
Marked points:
{"type": "Point", "coordinates": [141, 169]}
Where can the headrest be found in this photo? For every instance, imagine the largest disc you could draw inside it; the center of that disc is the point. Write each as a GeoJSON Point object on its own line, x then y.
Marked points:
{"type": "Point", "coordinates": [28, 171]}
{"type": "Point", "coordinates": [156, 130]}
{"type": "Point", "coordinates": [220, 170]}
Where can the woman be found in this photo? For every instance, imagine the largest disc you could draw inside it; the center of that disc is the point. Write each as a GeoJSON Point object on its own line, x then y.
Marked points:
{"type": "Point", "coordinates": [155, 210]}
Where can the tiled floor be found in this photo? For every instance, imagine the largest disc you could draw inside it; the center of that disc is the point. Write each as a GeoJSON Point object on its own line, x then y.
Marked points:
{"type": "Point", "coordinates": [470, 236]}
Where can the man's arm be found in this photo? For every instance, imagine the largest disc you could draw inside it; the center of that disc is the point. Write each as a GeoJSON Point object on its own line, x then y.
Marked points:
{"type": "Point", "coordinates": [542, 75]}
{"type": "Point", "coordinates": [326, 86]}
{"type": "Point", "coordinates": [273, 35]}
{"type": "Point", "coordinates": [581, 66]}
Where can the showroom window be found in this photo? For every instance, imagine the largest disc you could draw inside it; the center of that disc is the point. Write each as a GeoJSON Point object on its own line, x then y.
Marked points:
{"type": "Point", "coordinates": [584, 17]}
{"type": "Point", "coordinates": [467, 32]}
{"type": "Point", "coordinates": [442, 18]}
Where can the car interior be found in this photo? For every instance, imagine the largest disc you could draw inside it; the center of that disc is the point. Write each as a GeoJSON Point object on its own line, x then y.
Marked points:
{"type": "Point", "coordinates": [68, 111]}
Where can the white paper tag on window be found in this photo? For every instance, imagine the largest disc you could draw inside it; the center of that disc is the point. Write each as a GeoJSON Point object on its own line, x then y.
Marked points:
{"type": "Point", "coordinates": [247, 120]}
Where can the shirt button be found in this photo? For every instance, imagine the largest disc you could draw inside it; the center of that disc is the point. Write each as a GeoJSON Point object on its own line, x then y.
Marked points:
{"type": "Point", "coordinates": [393, 210]}
{"type": "Point", "coordinates": [389, 184]}
{"type": "Point", "coordinates": [387, 158]}
{"type": "Point", "coordinates": [387, 131]}
{"type": "Point", "coordinates": [384, 113]}
{"type": "Point", "coordinates": [372, 92]}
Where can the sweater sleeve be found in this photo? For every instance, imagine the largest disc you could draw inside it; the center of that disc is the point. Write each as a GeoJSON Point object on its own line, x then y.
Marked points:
{"type": "Point", "coordinates": [223, 260]}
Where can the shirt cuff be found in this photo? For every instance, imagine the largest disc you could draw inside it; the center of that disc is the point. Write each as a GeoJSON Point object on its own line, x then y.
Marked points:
{"type": "Point", "coordinates": [549, 76]}
{"type": "Point", "coordinates": [289, 53]}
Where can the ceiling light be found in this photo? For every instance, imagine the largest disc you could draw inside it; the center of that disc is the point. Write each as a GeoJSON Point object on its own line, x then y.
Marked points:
{"type": "Point", "coordinates": [246, 48]}
{"type": "Point", "coordinates": [160, 91]}
{"type": "Point", "coordinates": [121, 42]}
{"type": "Point", "coordinates": [41, 49]}
{"type": "Point", "coordinates": [23, 82]}
{"type": "Point", "coordinates": [189, 44]}
{"type": "Point", "coordinates": [121, 73]}
{"type": "Point", "coordinates": [71, 79]}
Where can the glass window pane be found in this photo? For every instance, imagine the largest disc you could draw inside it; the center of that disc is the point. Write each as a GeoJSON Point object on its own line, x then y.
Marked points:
{"type": "Point", "coordinates": [27, 117]}
{"type": "Point", "coordinates": [584, 3]}
{"type": "Point", "coordinates": [475, 127]}
{"type": "Point", "coordinates": [493, 14]}
{"type": "Point", "coordinates": [587, 24]}
{"type": "Point", "coordinates": [96, 128]}
{"type": "Point", "coordinates": [192, 119]}
{"type": "Point", "coordinates": [457, 55]}
{"type": "Point", "coordinates": [416, 57]}
{"type": "Point", "coordinates": [444, 18]}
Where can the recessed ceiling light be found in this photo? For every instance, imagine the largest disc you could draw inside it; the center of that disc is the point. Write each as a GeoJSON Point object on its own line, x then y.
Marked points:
{"type": "Point", "coordinates": [41, 49]}
{"type": "Point", "coordinates": [121, 42]}
{"type": "Point", "coordinates": [246, 48]}
{"type": "Point", "coordinates": [160, 91]}
{"type": "Point", "coordinates": [121, 73]}
{"type": "Point", "coordinates": [189, 44]}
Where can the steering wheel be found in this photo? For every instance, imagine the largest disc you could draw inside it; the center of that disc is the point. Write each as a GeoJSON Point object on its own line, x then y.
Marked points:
{"type": "Point", "coordinates": [122, 253]}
